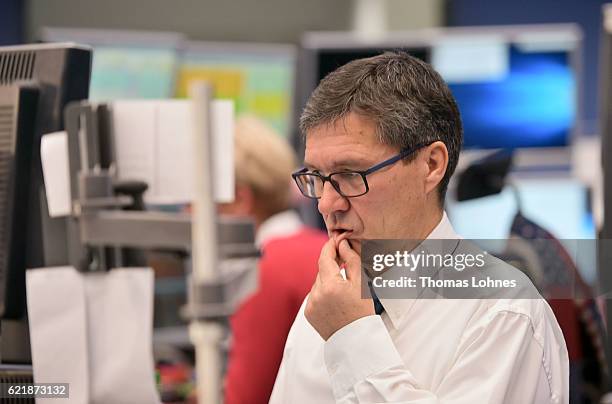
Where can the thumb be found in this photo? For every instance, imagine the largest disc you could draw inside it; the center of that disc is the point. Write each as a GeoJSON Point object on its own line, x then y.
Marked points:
{"type": "Point", "coordinates": [351, 258]}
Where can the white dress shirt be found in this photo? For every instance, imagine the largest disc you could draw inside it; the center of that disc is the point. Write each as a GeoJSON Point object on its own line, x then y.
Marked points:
{"type": "Point", "coordinates": [430, 351]}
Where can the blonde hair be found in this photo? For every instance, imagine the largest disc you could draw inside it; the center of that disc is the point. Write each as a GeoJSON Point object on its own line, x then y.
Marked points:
{"type": "Point", "coordinates": [264, 161]}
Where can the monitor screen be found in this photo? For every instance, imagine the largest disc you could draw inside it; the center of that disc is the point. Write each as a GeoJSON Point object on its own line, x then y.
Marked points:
{"type": "Point", "coordinates": [121, 72]}
{"type": "Point", "coordinates": [516, 87]}
{"type": "Point", "coordinates": [126, 64]}
{"type": "Point", "coordinates": [259, 79]}
{"type": "Point", "coordinates": [510, 94]}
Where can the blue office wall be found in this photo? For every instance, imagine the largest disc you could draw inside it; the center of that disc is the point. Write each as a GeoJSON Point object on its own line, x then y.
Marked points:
{"type": "Point", "coordinates": [11, 22]}
{"type": "Point", "coordinates": [586, 13]}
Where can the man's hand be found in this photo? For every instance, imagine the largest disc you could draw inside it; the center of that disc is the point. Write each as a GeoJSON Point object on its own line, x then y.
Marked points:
{"type": "Point", "coordinates": [334, 302]}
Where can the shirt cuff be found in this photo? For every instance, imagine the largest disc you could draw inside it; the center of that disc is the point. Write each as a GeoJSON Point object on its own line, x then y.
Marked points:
{"type": "Point", "coordinates": [358, 350]}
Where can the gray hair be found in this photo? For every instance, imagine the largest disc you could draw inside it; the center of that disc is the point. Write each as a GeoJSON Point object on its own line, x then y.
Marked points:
{"type": "Point", "coordinates": [405, 97]}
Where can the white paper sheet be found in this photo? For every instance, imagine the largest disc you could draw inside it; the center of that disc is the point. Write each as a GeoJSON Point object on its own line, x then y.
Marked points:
{"type": "Point", "coordinates": [135, 124]}
{"type": "Point", "coordinates": [120, 325]}
{"type": "Point", "coordinates": [58, 331]}
{"type": "Point", "coordinates": [174, 169]}
{"type": "Point", "coordinates": [94, 331]}
{"type": "Point", "coordinates": [54, 157]}
{"type": "Point", "coordinates": [153, 139]}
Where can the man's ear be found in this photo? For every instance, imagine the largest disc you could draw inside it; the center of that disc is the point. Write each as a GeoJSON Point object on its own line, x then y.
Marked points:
{"type": "Point", "coordinates": [436, 157]}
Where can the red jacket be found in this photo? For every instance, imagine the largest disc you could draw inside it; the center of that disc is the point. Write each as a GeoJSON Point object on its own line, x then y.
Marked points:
{"type": "Point", "coordinates": [287, 270]}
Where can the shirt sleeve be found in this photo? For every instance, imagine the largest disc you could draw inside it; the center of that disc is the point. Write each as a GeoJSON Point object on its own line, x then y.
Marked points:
{"type": "Point", "coordinates": [278, 392]}
{"type": "Point", "coordinates": [500, 362]}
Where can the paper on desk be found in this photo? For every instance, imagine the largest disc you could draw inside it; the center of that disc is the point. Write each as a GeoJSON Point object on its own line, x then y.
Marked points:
{"type": "Point", "coordinates": [154, 144]}
{"type": "Point", "coordinates": [100, 322]}
{"type": "Point", "coordinates": [54, 157]}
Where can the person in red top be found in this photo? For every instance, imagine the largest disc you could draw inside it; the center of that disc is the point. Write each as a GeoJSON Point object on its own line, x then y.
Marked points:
{"type": "Point", "coordinates": [287, 268]}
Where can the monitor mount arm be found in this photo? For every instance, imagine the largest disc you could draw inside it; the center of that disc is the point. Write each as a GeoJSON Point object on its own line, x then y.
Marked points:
{"type": "Point", "coordinates": [99, 227]}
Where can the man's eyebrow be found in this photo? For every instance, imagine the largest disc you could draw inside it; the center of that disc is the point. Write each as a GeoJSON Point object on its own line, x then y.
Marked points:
{"type": "Point", "coordinates": [348, 163]}
{"type": "Point", "coordinates": [309, 167]}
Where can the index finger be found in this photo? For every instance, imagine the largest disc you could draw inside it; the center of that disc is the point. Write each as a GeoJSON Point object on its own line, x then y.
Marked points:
{"type": "Point", "coordinates": [328, 265]}
{"type": "Point", "coordinates": [352, 260]}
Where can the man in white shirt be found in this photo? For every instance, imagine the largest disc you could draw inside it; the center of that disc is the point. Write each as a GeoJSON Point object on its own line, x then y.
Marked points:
{"type": "Point", "coordinates": [382, 139]}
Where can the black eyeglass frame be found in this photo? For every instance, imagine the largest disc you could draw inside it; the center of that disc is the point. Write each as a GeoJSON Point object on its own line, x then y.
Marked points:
{"type": "Point", "coordinates": [364, 173]}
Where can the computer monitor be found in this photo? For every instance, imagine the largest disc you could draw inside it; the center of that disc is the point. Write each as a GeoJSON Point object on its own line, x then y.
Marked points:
{"type": "Point", "coordinates": [516, 86]}
{"type": "Point", "coordinates": [36, 82]}
{"type": "Point", "coordinates": [18, 106]}
{"type": "Point", "coordinates": [126, 64]}
{"type": "Point", "coordinates": [513, 91]}
{"type": "Point", "coordinates": [259, 78]}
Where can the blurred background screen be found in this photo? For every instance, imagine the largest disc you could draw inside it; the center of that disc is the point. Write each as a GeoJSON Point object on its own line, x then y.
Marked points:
{"type": "Point", "coordinates": [515, 87]}
{"type": "Point", "coordinates": [132, 72]}
{"type": "Point", "coordinates": [511, 95]}
{"type": "Point", "coordinates": [126, 64]}
{"type": "Point", "coordinates": [258, 78]}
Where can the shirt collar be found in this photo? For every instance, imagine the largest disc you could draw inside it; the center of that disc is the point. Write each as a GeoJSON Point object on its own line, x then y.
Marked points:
{"type": "Point", "coordinates": [397, 309]}
{"type": "Point", "coordinates": [444, 230]}
{"type": "Point", "coordinates": [281, 224]}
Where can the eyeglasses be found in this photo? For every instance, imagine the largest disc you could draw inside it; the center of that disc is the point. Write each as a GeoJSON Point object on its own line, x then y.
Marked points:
{"type": "Point", "coordinates": [347, 183]}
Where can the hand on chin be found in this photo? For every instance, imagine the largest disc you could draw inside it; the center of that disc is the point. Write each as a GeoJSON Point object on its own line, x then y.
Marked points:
{"type": "Point", "coordinates": [336, 300]}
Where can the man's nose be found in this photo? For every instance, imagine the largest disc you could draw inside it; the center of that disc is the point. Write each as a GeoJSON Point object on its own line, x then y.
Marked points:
{"type": "Point", "coordinates": [331, 201]}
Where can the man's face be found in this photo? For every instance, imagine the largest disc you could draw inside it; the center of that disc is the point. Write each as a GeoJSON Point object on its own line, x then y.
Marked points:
{"type": "Point", "coordinates": [394, 204]}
